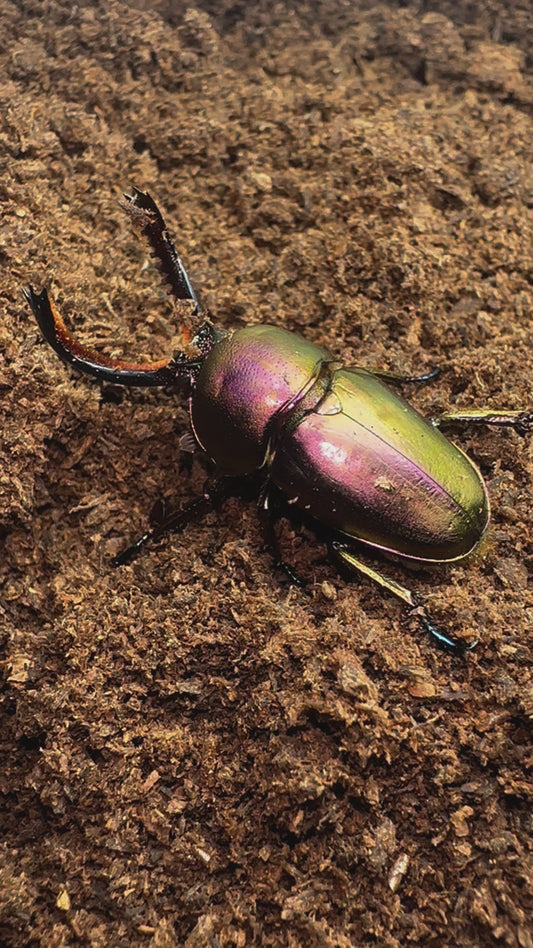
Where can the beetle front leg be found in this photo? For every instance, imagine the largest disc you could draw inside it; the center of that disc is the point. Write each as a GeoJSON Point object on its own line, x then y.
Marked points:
{"type": "Point", "coordinates": [521, 421]}
{"type": "Point", "coordinates": [404, 595]}
{"type": "Point", "coordinates": [176, 521]}
{"type": "Point", "coordinates": [397, 378]}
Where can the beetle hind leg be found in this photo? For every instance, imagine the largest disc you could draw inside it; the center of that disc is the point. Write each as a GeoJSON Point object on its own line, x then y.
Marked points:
{"type": "Point", "coordinates": [521, 421]}
{"type": "Point", "coordinates": [404, 595]}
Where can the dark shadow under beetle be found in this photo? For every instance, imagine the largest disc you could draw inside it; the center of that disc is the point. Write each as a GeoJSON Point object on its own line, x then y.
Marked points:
{"type": "Point", "coordinates": [334, 440]}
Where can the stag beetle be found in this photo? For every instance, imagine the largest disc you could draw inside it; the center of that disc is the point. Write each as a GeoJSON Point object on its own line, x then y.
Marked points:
{"type": "Point", "coordinates": [335, 440]}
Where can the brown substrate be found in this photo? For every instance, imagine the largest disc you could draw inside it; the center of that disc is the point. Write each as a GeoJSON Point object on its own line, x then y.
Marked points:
{"type": "Point", "coordinates": [193, 753]}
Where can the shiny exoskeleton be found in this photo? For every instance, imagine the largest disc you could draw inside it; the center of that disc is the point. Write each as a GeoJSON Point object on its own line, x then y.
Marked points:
{"type": "Point", "coordinates": [335, 440]}
{"type": "Point", "coordinates": [339, 444]}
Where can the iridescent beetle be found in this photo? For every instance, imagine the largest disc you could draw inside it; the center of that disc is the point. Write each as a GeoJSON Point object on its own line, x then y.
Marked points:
{"type": "Point", "coordinates": [335, 440]}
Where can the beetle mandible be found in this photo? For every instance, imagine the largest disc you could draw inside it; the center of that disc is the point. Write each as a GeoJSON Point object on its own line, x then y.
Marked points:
{"type": "Point", "coordinates": [335, 440]}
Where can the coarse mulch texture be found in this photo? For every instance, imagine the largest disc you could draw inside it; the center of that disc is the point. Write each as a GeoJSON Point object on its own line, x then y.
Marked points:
{"type": "Point", "coordinates": [193, 751]}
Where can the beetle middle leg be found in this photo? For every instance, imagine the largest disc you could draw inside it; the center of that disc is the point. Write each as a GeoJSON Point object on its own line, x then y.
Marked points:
{"type": "Point", "coordinates": [268, 508]}
{"type": "Point", "coordinates": [405, 595]}
{"type": "Point", "coordinates": [396, 378]}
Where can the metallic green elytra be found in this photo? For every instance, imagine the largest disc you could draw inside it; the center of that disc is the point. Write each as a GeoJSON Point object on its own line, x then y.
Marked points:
{"type": "Point", "coordinates": [384, 474]}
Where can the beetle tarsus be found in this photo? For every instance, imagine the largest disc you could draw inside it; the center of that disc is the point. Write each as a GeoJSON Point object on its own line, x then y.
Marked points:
{"type": "Point", "coordinates": [127, 555]}
{"type": "Point", "coordinates": [524, 423]}
{"type": "Point", "coordinates": [441, 639]}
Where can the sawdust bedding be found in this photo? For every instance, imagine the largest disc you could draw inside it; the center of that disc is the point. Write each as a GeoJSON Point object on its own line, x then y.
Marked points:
{"type": "Point", "coordinates": [193, 751]}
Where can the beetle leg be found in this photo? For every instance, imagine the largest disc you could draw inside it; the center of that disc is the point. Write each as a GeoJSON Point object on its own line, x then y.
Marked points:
{"type": "Point", "coordinates": [521, 421]}
{"type": "Point", "coordinates": [404, 595]}
{"type": "Point", "coordinates": [394, 378]}
{"type": "Point", "coordinates": [268, 511]}
{"type": "Point", "coordinates": [89, 360]}
{"type": "Point", "coordinates": [175, 522]}
{"type": "Point", "coordinates": [145, 213]}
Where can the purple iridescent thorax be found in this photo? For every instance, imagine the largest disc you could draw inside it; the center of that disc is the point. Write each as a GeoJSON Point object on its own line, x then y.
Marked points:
{"type": "Point", "coordinates": [245, 380]}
